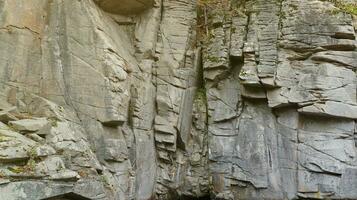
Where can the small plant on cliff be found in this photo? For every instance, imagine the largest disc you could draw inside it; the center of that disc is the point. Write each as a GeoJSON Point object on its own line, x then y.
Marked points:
{"type": "Point", "coordinates": [29, 168]}
{"type": "Point", "coordinates": [206, 10]}
{"type": "Point", "coordinates": [30, 165]}
{"type": "Point", "coordinates": [201, 94]}
{"type": "Point", "coordinates": [350, 8]}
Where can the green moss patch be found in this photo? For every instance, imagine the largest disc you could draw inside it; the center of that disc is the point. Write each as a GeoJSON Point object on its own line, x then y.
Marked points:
{"type": "Point", "coordinates": [350, 8]}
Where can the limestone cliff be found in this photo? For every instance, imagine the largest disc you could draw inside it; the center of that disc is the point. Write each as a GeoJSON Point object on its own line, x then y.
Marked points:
{"type": "Point", "coordinates": [178, 99]}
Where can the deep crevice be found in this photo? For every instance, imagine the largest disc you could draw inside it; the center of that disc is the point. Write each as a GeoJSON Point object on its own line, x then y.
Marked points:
{"type": "Point", "coordinates": [68, 196]}
{"type": "Point", "coordinates": [183, 197]}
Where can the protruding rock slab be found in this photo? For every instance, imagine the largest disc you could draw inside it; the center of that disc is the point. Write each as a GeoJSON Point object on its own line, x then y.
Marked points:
{"type": "Point", "coordinates": [30, 125]}
{"type": "Point", "coordinates": [331, 108]}
{"type": "Point", "coordinates": [115, 150]}
{"type": "Point", "coordinates": [7, 115]}
{"type": "Point", "coordinates": [125, 6]}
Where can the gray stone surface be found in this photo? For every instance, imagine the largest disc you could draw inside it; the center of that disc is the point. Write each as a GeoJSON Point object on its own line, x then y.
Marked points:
{"type": "Point", "coordinates": [177, 99]}
{"type": "Point", "coordinates": [29, 125]}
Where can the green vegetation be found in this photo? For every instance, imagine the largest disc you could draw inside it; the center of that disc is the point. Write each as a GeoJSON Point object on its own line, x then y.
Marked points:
{"type": "Point", "coordinates": [220, 6]}
{"type": "Point", "coordinates": [350, 8]}
{"type": "Point", "coordinates": [4, 138]}
{"type": "Point", "coordinates": [294, 7]}
{"type": "Point", "coordinates": [53, 122]}
{"type": "Point", "coordinates": [201, 98]}
{"type": "Point", "coordinates": [105, 180]}
{"type": "Point", "coordinates": [243, 73]}
{"type": "Point", "coordinates": [282, 15]}
{"type": "Point", "coordinates": [207, 10]}
{"type": "Point", "coordinates": [201, 94]}
{"type": "Point", "coordinates": [16, 169]}
{"type": "Point", "coordinates": [213, 59]}
{"type": "Point", "coordinates": [215, 13]}
{"type": "Point", "coordinates": [30, 165]}
{"type": "Point", "coordinates": [28, 168]}
{"type": "Point", "coordinates": [32, 153]}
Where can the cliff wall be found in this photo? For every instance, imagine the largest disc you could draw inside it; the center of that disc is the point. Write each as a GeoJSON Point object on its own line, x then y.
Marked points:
{"type": "Point", "coordinates": [178, 99]}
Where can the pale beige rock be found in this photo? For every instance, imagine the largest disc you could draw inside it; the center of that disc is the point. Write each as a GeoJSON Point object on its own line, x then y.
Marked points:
{"type": "Point", "coordinates": [29, 125]}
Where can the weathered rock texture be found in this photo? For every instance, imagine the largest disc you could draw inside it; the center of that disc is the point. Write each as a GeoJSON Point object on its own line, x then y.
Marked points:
{"type": "Point", "coordinates": [177, 99]}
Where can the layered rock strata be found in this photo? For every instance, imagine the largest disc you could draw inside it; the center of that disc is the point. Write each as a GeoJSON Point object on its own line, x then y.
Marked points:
{"type": "Point", "coordinates": [178, 99]}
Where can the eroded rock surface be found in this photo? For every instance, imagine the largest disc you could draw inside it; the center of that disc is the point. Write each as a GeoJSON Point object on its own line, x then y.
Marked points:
{"type": "Point", "coordinates": [127, 7]}
{"type": "Point", "coordinates": [178, 99]}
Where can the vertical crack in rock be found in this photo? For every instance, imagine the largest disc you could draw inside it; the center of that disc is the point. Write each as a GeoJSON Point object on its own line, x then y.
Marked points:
{"type": "Point", "coordinates": [180, 120]}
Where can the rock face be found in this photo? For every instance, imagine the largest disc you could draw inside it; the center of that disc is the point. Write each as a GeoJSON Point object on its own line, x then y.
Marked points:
{"type": "Point", "coordinates": [125, 6]}
{"type": "Point", "coordinates": [168, 99]}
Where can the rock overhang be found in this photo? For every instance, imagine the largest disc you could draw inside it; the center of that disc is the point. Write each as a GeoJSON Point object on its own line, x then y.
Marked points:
{"type": "Point", "coordinates": [125, 7]}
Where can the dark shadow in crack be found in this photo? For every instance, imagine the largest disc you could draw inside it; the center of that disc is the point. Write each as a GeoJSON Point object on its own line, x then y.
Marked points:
{"type": "Point", "coordinates": [68, 196]}
{"type": "Point", "coordinates": [194, 198]}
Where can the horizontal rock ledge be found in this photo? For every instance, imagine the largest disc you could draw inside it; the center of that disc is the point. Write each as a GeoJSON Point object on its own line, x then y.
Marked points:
{"type": "Point", "coordinates": [125, 7]}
